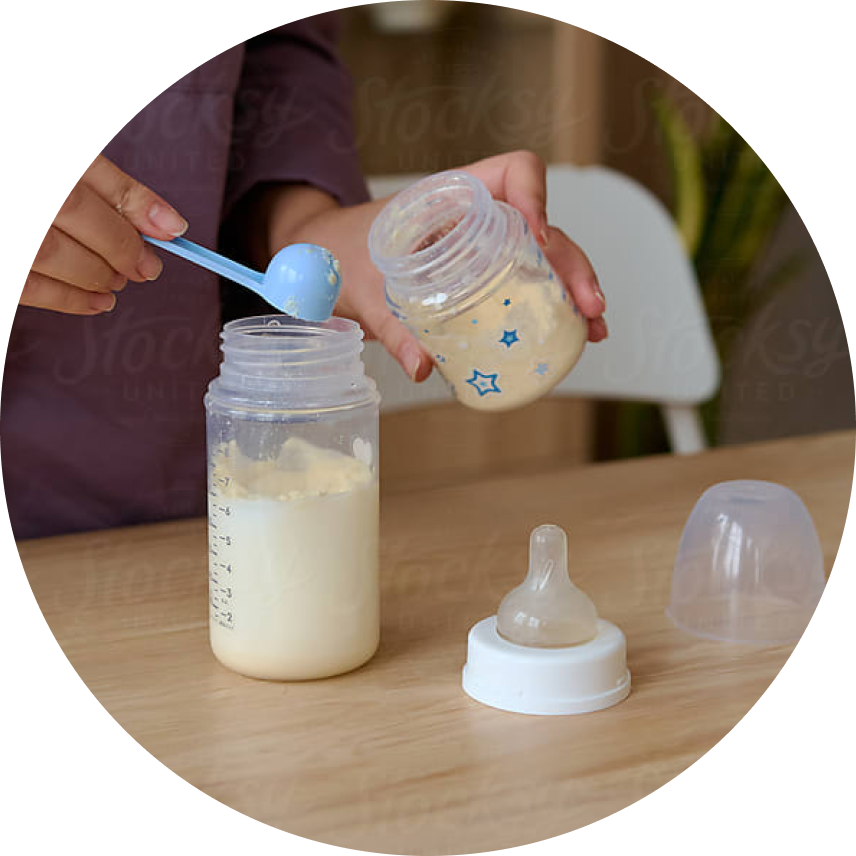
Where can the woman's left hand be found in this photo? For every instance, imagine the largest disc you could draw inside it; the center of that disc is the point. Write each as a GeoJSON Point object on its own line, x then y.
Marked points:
{"type": "Point", "coordinates": [301, 213]}
{"type": "Point", "coordinates": [520, 179]}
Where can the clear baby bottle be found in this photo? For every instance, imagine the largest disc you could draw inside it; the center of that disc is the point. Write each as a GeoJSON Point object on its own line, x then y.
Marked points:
{"type": "Point", "coordinates": [466, 275]}
{"type": "Point", "coordinates": [292, 426]}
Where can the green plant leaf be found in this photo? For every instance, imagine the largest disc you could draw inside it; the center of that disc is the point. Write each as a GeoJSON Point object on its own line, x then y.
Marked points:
{"type": "Point", "coordinates": [727, 205]}
{"type": "Point", "coordinates": [725, 153]}
{"type": "Point", "coordinates": [715, 144]}
{"type": "Point", "coordinates": [687, 177]}
{"type": "Point", "coordinates": [768, 206]}
{"type": "Point", "coordinates": [735, 212]}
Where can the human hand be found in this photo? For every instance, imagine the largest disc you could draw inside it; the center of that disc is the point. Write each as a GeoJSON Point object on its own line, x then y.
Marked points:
{"type": "Point", "coordinates": [301, 213]}
{"type": "Point", "coordinates": [520, 179]}
{"type": "Point", "coordinates": [94, 245]}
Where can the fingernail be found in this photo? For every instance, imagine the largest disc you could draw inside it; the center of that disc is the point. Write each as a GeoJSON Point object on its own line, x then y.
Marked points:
{"type": "Point", "coordinates": [599, 294]}
{"type": "Point", "coordinates": [168, 219]}
{"type": "Point", "coordinates": [149, 265]}
{"type": "Point", "coordinates": [544, 236]}
{"type": "Point", "coordinates": [412, 361]}
{"type": "Point", "coordinates": [102, 302]}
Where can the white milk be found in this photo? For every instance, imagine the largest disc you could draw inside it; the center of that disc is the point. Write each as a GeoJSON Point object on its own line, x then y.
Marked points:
{"type": "Point", "coordinates": [293, 562]}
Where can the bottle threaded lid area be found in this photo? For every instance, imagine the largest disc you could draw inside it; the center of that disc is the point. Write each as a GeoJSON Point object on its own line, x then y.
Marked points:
{"type": "Point", "coordinates": [280, 363]}
{"type": "Point", "coordinates": [282, 340]}
{"type": "Point", "coordinates": [426, 221]}
{"type": "Point", "coordinates": [438, 242]}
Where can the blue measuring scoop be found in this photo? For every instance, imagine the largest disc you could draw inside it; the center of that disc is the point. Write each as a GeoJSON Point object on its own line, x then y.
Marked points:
{"type": "Point", "coordinates": [302, 280]}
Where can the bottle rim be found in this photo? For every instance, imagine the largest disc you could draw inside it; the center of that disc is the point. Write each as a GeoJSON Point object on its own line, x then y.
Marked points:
{"type": "Point", "coordinates": [440, 242]}
{"type": "Point", "coordinates": [395, 249]}
{"type": "Point", "coordinates": [275, 364]}
{"type": "Point", "coordinates": [289, 341]}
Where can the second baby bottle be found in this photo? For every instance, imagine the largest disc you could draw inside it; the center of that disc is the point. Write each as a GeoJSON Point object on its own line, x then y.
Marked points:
{"type": "Point", "coordinates": [465, 273]}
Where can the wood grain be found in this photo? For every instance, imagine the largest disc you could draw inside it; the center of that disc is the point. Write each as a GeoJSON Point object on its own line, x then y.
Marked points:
{"type": "Point", "coordinates": [394, 757]}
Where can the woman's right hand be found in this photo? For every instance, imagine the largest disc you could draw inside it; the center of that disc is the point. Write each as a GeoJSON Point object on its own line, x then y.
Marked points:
{"type": "Point", "coordinates": [94, 245]}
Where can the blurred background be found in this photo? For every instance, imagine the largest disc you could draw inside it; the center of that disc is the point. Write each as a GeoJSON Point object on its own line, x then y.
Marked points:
{"type": "Point", "coordinates": [439, 84]}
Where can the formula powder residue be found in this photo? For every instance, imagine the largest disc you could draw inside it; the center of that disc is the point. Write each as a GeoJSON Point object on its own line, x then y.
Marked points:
{"type": "Point", "coordinates": [510, 347]}
{"type": "Point", "coordinates": [299, 471]}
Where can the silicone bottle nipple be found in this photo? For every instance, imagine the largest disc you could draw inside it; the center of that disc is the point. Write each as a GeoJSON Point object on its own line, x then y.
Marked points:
{"type": "Point", "coordinates": [547, 610]}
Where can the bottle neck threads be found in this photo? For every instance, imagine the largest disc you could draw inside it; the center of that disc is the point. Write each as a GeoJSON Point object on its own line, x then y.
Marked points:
{"type": "Point", "coordinates": [440, 240]}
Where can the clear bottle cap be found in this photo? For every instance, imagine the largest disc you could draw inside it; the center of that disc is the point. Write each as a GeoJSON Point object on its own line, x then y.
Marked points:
{"type": "Point", "coordinates": [749, 567]}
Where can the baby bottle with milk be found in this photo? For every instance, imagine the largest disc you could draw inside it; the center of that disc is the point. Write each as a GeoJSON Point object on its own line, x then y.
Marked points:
{"type": "Point", "coordinates": [466, 275]}
{"type": "Point", "coordinates": [292, 425]}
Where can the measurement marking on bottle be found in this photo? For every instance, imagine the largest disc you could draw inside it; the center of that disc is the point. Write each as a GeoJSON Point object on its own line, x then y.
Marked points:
{"type": "Point", "coordinates": [220, 569]}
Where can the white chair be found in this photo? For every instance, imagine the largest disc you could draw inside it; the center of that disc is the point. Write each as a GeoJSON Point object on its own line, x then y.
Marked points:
{"type": "Point", "coordinates": [660, 347]}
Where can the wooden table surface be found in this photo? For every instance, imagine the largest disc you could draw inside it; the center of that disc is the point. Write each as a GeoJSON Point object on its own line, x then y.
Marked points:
{"type": "Point", "coordinates": [395, 757]}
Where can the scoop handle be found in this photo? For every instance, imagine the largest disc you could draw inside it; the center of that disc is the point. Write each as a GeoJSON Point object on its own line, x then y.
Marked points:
{"type": "Point", "coordinates": [210, 260]}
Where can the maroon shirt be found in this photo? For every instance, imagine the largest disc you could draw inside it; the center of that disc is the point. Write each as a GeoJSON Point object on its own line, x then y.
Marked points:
{"type": "Point", "coordinates": [102, 417]}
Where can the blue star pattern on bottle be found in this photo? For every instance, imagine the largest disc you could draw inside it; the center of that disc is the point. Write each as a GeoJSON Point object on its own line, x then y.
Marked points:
{"type": "Point", "coordinates": [440, 358]}
{"type": "Point", "coordinates": [507, 301]}
{"type": "Point", "coordinates": [484, 383]}
{"type": "Point", "coordinates": [509, 337]}
{"type": "Point", "coordinates": [541, 369]}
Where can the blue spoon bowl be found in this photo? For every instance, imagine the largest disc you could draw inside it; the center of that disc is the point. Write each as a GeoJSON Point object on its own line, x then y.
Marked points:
{"type": "Point", "coordinates": [302, 280]}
